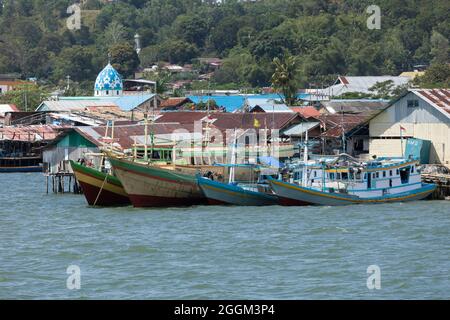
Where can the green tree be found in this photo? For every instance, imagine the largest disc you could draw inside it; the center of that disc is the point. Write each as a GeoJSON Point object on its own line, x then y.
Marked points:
{"type": "Point", "coordinates": [75, 62]}
{"type": "Point", "coordinates": [436, 76]}
{"type": "Point", "coordinates": [284, 79]}
{"type": "Point", "coordinates": [26, 97]}
{"type": "Point", "coordinates": [192, 29]}
{"type": "Point", "coordinates": [440, 48]}
{"type": "Point", "coordinates": [124, 58]}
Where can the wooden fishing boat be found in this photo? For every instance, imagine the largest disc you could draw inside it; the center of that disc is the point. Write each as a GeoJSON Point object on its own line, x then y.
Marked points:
{"type": "Point", "coordinates": [20, 164]}
{"type": "Point", "coordinates": [219, 193]}
{"type": "Point", "coordinates": [346, 181]}
{"type": "Point", "coordinates": [100, 189]}
{"type": "Point", "coordinates": [156, 186]}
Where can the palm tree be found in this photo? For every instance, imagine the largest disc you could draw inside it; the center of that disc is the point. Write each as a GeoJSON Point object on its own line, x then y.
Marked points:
{"type": "Point", "coordinates": [284, 79]}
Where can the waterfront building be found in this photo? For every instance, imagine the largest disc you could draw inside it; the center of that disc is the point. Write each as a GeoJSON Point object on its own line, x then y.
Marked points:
{"type": "Point", "coordinates": [419, 113]}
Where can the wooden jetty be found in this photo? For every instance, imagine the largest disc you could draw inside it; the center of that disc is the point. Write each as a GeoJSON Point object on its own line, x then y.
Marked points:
{"type": "Point", "coordinates": [442, 182]}
{"type": "Point", "coordinates": [62, 182]}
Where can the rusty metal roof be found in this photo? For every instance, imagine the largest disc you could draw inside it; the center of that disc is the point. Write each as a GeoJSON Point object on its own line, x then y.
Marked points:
{"type": "Point", "coordinates": [30, 133]}
{"type": "Point", "coordinates": [438, 98]}
{"type": "Point", "coordinates": [125, 135]}
{"type": "Point", "coordinates": [224, 121]}
{"type": "Point", "coordinates": [334, 124]}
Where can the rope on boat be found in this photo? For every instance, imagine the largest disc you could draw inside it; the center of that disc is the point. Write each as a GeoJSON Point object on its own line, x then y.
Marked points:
{"type": "Point", "coordinates": [100, 191]}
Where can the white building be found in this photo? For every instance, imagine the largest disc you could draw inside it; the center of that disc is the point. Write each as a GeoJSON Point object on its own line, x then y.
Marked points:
{"type": "Point", "coordinates": [346, 84]}
{"type": "Point", "coordinates": [419, 113]}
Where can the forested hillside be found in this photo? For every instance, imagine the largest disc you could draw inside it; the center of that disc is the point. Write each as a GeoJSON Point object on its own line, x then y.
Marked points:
{"type": "Point", "coordinates": [329, 37]}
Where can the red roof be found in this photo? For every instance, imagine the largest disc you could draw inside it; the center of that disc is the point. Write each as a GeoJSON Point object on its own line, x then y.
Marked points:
{"type": "Point", "coordinates": [174, 102]}
{"type": "Point", "coordinates": [306, 112]}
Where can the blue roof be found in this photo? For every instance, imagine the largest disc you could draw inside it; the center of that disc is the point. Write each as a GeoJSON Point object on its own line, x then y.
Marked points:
{"type": "Point", "coordinates": [125, 103]}
{"type": "Point", "coordinates": [231, 103]}
{"type": "Point", "coordinates": [130, 102]}
{"type": "Point", "coordinates": [234, 102]}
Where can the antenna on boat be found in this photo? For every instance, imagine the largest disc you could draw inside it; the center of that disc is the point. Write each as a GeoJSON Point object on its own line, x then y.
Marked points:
{"type": "Point", "coordinates": [305, 160]}
{"type": "Point", "coordinates": [233, 158]}
{"type": "Point", "coordinates": [343, 131]}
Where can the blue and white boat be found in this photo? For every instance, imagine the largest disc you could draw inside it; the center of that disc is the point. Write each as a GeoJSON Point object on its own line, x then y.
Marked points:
{"type": "Point", "coordinates": [219, 193]}
{"type": "Point", "coordinates": [345, 181]}
{"type": "Point", "coordinates": [241, 193]}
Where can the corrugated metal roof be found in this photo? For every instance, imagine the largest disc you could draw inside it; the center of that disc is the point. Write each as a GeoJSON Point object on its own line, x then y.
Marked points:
{"type": "Point", "coordinates": [306, 112]}
{"type": "Point", "coordinates": [267, 105]}
{"type": "Point", "coordinates": [224, 121]}
{"type": "Point", "coordinates": [234, 102]}
{"type": "Point", "coordinates": [355, 106]}
{"type": "Point", "coordinates": [7, 108]}
{"type": "Point", "coordinates": [124, 136]}
{"type": "Point", "coordinates": [334, 124]}
{"type": "Point", "coordinates": [361, 84]}
{"type": "Point", "coordinates": [30, 133]}
{"type": "Point", "coordinates": [125, 103]}
{"type": "Point", "coordinates": [300, 129]}
{"type": "Point", "coordinates": [438, 98]}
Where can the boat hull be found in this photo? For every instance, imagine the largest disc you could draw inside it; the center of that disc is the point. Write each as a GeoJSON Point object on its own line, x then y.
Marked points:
{"type": "Point", "coordinates": [20, 169]}
{"type": "Point", "coordinates": [97, 190]}
{"type": "Point", "coordinates": [292, 192]}
{"type": "Point", "coordinates": [150, 186]}
{"type": "Point", "coordinates": [219, 193]}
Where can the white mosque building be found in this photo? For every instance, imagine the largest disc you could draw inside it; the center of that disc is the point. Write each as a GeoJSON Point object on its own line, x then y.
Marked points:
{"type": "Point", "coordinates": [110, 89]}
{"type": "Point", "coordinates": [109, 83]}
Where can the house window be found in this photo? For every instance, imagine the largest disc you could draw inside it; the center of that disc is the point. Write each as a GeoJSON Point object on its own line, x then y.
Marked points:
{"type": "Point", "coordinates": [413, 103]}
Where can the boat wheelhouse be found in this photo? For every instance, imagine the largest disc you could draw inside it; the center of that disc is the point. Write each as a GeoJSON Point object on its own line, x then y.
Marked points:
{"type": "Point", "coordinates": [345, 180]}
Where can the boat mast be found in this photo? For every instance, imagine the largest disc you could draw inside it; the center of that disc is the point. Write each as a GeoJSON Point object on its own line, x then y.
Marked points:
{"type": "Point", "coordinates": [305, 160]}
{"type": "Point", "coordinates": [233, 158]}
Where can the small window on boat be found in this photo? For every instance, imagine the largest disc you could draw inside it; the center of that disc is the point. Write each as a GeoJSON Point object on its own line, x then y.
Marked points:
{"type": "Point", "coordinates": [338, 176]}
{"type": "Point", "coordinates": [344, 176]}
{"type": "Point", "coordinates": [315, 173]}
{"type": "Point", "coordinates": [358, 176]}
{"type": "Point", "coordinates": [412, 169]}
{"type": "Point", "coordinates": [384, 174]}
{"type": "Point", "coordinates": [397, 172]}
{"type": "Point", "coordinates": [365, 176]}
{"type": "Point", "coordinates": [390, 173]}
{"type": "Point", "coordinates": [331, 176]}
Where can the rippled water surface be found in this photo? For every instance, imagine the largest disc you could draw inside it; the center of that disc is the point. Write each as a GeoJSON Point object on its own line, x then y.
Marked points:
{"type": "Point", "coordinates": [218, 252]}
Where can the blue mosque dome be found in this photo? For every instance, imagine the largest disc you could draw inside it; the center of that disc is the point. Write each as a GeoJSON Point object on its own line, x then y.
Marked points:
{"type": "Point", "coordinates": [109, 82]}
